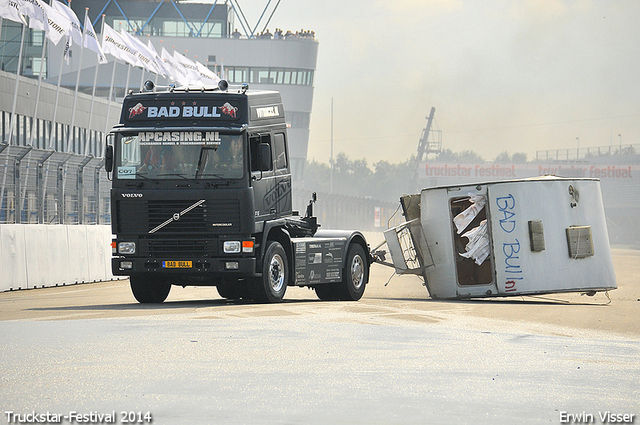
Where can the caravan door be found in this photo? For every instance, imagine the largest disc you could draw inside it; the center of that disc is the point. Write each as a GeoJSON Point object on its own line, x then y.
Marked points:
{"type": "Point", "coordinates": [471, 245]}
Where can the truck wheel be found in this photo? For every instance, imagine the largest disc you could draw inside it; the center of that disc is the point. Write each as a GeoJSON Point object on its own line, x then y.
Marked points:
{"type": "Point", "coordinates": [148, 290]}
{"type": "Point", "coordinates": [355, 276]}
{"type": "Point", "coordinates": [328, 292]}
{"type": "Point", "coordinates": [232, 290]}
{"type": "Point", "coordinates": [275, 275]}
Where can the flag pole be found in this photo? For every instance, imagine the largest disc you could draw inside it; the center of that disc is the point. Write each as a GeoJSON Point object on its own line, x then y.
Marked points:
{"type": "Point", "coordinates": [142, 78]}
{"type": "Point", "coordinates": [15, 93]}
{"type": "Point", "coordinates": [4, 44]}
{"type": "Point", "coordinates": [93, 96]}
{"type": "Point", "coordinates": [55, 108]}
{"type": "Point", "coordinates": [113, 78]}
{"type": "Point", "coordinates": [126, 87]}
{"type": "Point", "coordinates": [106, 123]}
{"type": "Point", "coordinates": [35, 111]}
{"type": "Point", "coordinates": [75, 97]}
{"type": "Point", "coordinates": [53, 132]}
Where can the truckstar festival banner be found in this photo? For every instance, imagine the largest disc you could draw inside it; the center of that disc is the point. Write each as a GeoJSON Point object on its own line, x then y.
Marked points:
{"type": "Point", "coordinates": [620, 183]}
{"type": "Point", "coordinates": [444, 173]}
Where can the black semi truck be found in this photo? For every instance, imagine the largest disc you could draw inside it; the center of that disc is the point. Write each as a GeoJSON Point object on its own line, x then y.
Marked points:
{"type": "Point", "coordinates": [201, 195]}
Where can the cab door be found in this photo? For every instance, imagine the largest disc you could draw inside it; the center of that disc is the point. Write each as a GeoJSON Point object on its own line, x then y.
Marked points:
{"type": "Point", "coordinates": [263, 181]}
{"type": "Point", "coordinates": [283, 175]}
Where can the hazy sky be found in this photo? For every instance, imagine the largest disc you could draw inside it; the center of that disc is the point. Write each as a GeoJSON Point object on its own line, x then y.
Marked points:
{"type": "Point", "coordinates": [516, 76]}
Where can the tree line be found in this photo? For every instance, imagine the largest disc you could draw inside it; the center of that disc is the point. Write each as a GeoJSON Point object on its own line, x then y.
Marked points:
{"type": "Point", "coordinates": [383, 180]}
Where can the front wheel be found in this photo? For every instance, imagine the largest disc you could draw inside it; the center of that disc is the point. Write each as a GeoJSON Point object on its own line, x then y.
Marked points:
{"type": "Point", "coordinates": [232, 290]}
{"type": "Point", "coordinates": [275, 275]}
{"type": "Point", "coordinates": [149, 290]}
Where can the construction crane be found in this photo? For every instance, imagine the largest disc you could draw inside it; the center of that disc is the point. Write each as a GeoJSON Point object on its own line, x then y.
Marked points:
{"type": "Point", "coordinates": [424, 146]}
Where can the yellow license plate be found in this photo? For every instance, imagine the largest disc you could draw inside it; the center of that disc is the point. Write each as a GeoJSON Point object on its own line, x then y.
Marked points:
{"type": "Point", "coordinates": [177, 264]}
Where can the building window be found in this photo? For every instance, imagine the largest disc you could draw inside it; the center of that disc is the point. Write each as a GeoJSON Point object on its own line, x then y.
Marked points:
{"type": "Point", "coordinates": [36, 37]}
{"type": "Point", "coordinates": [175, 29]}
{"type": "Point", "coordinates": [298, 119]}
{"type": "Point", "coordinates": [130, 27]}
{"type": "Point", "coordinates": [257, 75]}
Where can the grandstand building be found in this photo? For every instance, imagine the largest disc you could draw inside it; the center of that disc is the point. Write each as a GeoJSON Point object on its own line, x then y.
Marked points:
{"type": "Point", "coordinates": [215, 34]}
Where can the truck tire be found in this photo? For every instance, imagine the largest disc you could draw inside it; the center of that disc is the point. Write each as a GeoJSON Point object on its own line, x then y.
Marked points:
{"type": "Point", "coordinates": [355, 275]}
{"type": "Point", "coordinates": [232, 290]}
{"type": "Point", "coordinates": [275, 275]}
{"type": "Point", "coordinates": [148, 290]}
{"type": "Point", "coordinates": [328, 292]}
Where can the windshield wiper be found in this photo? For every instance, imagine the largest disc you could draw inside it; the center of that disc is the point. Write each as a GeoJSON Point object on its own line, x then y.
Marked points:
{"type": "Point", "coordinates": [182, 176]}
{"type": "Point", "coordinates": [201, 175]}
{"type": "Point", "coordinates": [142, 175]}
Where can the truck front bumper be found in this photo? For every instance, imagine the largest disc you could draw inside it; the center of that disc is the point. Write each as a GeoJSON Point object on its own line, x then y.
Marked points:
{"type": "Point", "coordinates": [227, 266]}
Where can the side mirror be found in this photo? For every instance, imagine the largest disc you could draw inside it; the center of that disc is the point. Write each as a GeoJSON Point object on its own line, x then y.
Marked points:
{"type": "Point", "coordinates": [108, 159]}
{"type": "Point", "coordinates": [264, 157]}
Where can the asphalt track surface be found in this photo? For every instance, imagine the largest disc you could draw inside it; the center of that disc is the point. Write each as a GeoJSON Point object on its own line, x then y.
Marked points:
{"type": "Point", "coordinates": [394, 357]}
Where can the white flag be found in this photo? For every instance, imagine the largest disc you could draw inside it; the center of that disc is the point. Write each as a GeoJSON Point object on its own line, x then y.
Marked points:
{"type": "Point", "coordinates": [91, 40]}
{"type": "Point", "coordinates": [193, 75]}
{"type": "Point", "coordinates": [36, 13]}
{"type": "Point", "coordinates": [10, 9]}
{"type": "Point", "coordinates": [206, 75]}
{"type": "Point", "coordinates": [115, 46]}
{"type": "Point", "coordinates": [157, 59]}
{"type": "Point", "coordinates": [76, 29]}
{"type": "Point", "coordinates": [176, 71]}
{"type": "Point", "coordinates": [57, 23]}
{"type": "Point", "coordinates": [145, 57]}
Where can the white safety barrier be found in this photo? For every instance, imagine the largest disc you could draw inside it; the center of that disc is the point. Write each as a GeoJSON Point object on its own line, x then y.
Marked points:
{"type": "Point", "coordinates": [38, 255]}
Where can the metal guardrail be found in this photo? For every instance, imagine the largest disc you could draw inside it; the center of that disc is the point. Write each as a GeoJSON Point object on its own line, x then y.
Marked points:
{"type": "Point", "coordinates": [48, 187]}
{"type": "Point", "coordinates": [335, 211]}
{"type": "Point", "coordinates": [587, 153]}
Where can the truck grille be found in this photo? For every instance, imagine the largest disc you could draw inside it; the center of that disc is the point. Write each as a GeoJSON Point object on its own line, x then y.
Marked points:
{"type": "Point", "coordinates": [212, 216]}
{"type": "Point", "coordinates": [180, 248]}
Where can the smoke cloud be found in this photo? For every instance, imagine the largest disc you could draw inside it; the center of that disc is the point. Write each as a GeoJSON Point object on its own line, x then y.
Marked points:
{"type": "Point", "coordinates": [503, 76]}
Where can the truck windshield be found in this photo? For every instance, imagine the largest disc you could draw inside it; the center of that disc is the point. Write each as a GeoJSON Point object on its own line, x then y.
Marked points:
{"type": "Point", "coordinates": [179, 155]}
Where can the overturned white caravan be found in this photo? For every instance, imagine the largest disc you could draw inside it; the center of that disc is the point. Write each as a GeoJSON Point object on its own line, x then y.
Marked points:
{"type": "Point", "coordinates": [532, 236]}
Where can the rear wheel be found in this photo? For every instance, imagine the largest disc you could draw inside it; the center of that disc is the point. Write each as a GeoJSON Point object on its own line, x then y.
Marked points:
{"type": "Point", "coordinates": [275, 275]}
{"type": "Point", "coordinates": [149, 290]}
{"type": "Point", "coordinates": [356, 274]}
{"type": "Point", "coordinates": [354, 278]}
{"type": "Point", "coordinates": [328, 292]}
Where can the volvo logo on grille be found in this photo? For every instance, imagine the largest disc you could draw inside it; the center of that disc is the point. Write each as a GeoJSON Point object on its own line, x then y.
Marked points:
{"type": "Point", "coordinates": [132, 195]}
{"type": "Point", "coordinates": [176, 216]}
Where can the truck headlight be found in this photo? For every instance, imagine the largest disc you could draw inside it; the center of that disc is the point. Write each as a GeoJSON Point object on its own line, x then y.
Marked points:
{"type": "Point", "coordinates": [126, 248]}
{"type": "Point", "coordinates": [231, 247]}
